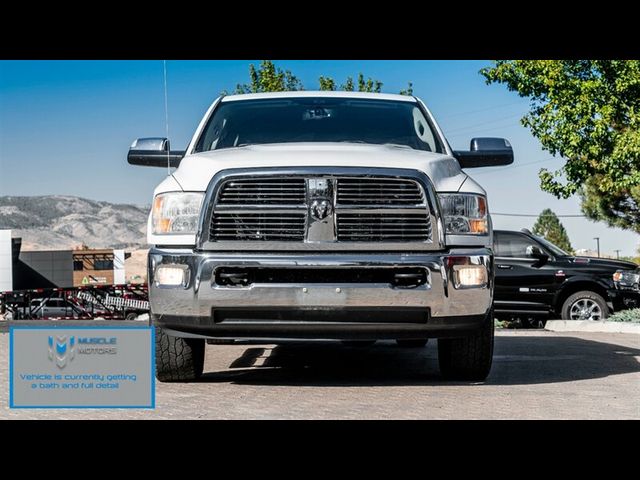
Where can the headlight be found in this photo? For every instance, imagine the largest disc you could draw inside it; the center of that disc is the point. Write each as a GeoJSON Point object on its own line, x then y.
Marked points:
{"type": "Point", "coordinates": [464, 213]}
{"type": "Point", "coordinates": [176, 213]}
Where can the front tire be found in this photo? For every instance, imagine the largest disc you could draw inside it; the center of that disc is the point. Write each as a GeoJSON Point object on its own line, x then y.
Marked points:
{"type": "Point", "coordinates": [585, 305]}
{"type": "Point", "coordinates": [468, 358]}
{"type": "Point", "coordinates": [178, 359]}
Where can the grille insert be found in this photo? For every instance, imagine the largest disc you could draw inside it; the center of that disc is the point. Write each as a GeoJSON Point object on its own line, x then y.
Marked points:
{"type": "Point", "coordinates": [383, 227]}
{"type": "Point", "coordinates": [378, 191]}
{"type": "Point", "coordinates": [273, 191]}
{"type": "Point", "coordinates": [283, 227]}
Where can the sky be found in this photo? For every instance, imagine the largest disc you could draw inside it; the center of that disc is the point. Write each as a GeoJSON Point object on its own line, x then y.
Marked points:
{"type": "Point", "coordinates": [66, 126]}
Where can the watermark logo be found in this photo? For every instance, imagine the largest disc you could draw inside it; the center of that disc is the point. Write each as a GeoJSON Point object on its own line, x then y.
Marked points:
{"type": "Point", "coordinates": [62, 349]}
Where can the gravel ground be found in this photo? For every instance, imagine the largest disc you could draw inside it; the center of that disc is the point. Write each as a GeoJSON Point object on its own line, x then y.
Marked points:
{"type": "Point", "coordinates": [536, 375]}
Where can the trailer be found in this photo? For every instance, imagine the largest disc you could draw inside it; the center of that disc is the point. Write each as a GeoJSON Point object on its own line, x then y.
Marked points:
{"type": "Point", "coordinates": [114, 302]}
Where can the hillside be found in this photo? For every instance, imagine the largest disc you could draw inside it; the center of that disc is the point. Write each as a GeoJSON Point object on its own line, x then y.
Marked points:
{"type": "Point", "coordinates": [61, 222]}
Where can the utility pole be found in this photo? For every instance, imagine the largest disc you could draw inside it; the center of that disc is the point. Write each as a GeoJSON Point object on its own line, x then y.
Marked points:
{"type": "Point", "coordinates": [617, 254]}
{"type": "Point", "coordinates": [597, 239]}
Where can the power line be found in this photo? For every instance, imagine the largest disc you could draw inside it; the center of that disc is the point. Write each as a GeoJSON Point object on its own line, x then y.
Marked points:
{"type": "Point", "coordinates": [481, 124]}
{"type": "Point", "coordinates": [510, 167]}
{"type": "Point", "coordinates": [494, 107]}
{"type": "Point", "coordinates": [539, 215]}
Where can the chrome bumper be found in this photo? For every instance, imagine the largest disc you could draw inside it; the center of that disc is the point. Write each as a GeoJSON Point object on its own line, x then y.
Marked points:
{"type": "Point", "coordinates": [190, 309]}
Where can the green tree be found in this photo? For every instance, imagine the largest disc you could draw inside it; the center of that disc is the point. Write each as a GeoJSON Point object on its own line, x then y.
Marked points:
{"type": "Point", "coordinates": [269, 78]}
{"type": "Point", "coordinates": [408, 90]}
{"type": "Point", "coordinates": [548, 226]}
{"type": "Point", "coordinates": [327, 83]}
{"type": "Point", "coordinates": [620, 208]}
{"type": "Point", "coordinates": [587, 111]}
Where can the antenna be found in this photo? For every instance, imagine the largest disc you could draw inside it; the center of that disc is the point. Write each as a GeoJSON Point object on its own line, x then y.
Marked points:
{"type": "Point", "coordinates": [166, 117]}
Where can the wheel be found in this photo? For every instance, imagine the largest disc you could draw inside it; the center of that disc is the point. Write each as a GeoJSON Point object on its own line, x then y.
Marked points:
{"type": "Point", "coordinates": [585, 305]}
{"type": "Point", "coordinates": [358, 343]}
{"type": "Point", "coordinates": [468, 358]}
{"type": "Point", "coordinates": [178, 359]}
{"type": "Point", "coordinates": [412, 343]}
{"type": "Point", "coordinates": [131, 316]}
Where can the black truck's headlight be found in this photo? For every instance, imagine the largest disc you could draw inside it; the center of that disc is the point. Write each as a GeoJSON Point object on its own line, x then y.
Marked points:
{"type": "Point", "coordinates": [464, 213]}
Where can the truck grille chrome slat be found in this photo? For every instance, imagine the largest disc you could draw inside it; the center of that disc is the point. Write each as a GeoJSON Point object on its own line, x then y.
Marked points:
{"type": "Point", "coordinates": [257, 226]}
{"type": "Point", "coordinates": [263, 192]}
{"type": "Point", "coordinates": [383, 227]}
{"type": "Point", "coordinates": [369, 191]}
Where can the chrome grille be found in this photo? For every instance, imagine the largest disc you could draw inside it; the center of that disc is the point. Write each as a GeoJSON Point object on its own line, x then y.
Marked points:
{"type": "Point", "coordinates": [383, 227]}
{"type": "Point", "coordinates": [378, 191]}
{"type": "Point", "coordinates": [354, 209]}
{"type": "Point", "coordinates": [272, 191]}
{"type": "Point", "coordinates": [283, 227]}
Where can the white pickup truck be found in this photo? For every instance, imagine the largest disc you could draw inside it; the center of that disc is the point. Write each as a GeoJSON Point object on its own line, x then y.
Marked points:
{"type": "Point", "coordinates": [321, 215]}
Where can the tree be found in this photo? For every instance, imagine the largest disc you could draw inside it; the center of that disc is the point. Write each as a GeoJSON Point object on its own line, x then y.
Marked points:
{"type": "Point", "coordinates": [548, 226]}
{"type": "Point", "coordinates": [587, 111]}
{"type": "Point", "coordinates": [408, 90]}
{"type": "Point", "coordinates": [620, 208]}
{"type": "Point", "coordinates": [269, 78]}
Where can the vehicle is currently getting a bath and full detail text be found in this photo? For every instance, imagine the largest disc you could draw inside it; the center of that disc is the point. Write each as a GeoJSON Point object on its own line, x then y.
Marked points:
{"type": "Point", "coordinates": [321, 216]}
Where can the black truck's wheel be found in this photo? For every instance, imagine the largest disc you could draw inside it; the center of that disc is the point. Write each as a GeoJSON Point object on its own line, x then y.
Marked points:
{"type": "Point", "coordinates": [585, 305]}
{"type": "Point", "coordinates": [178, 359]}
{"type": "Point", "coordinates": [468, 358]}
{"type": "Point", "coordinates": [412, 342]}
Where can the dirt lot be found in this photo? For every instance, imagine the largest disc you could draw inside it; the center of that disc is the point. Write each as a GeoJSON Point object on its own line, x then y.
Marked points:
{"type": "Point", "coordinates": [536, 374]}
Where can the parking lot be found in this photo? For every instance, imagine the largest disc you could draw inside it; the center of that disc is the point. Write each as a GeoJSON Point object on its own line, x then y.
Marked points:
{"type": "Point", "coordinates": [536, 375]}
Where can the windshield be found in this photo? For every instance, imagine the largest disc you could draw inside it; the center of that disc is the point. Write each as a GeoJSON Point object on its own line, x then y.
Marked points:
{"type": "Point", "coordinates": [318, 119]}
{"type": "Point", "coordinates": [557, 251]}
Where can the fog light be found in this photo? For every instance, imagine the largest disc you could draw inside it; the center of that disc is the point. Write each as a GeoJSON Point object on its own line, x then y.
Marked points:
{"type": "Point", "coordinates": [469, 276]}
{"type": "Point", "coordinates": [172, 275]}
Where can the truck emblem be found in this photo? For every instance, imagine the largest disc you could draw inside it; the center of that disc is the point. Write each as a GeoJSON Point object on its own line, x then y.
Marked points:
{"type": "Point", "coordinates": [321, 208]}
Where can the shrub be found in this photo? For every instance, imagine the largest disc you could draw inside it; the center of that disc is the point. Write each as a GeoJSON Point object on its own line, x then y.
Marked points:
{"type": "Point", "coordinates": [632, 315]}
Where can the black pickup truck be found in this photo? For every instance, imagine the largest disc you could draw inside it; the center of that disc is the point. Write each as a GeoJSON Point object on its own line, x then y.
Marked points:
{"type": "Point", "coordinates": [536, 280]}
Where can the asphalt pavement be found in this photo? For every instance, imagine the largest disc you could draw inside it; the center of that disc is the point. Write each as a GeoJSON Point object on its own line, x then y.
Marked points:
{"type": "Point", "coordinates": [536, 375]}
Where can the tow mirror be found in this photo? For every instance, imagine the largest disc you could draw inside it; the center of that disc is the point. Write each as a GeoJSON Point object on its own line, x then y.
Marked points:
{"type": "Point", "coordinates": [485, 152]}
{"type": "Point", "coordinates": [153, 152]}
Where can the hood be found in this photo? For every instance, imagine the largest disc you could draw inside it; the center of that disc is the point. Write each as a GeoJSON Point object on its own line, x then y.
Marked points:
{"type": "Point", "coordinates": [605, 263]}
{"type": "Point", "coordinates": [196, 170]}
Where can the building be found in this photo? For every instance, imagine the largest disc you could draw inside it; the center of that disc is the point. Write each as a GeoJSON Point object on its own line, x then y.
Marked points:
{"type": "Point", "coordinates": [6, 261]}
{"type": "Point", "coordinates": [57, 268]}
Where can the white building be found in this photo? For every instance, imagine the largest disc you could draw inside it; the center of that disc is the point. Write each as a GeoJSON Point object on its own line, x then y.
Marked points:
{"type": "Point", "coordinates": [6, 261]}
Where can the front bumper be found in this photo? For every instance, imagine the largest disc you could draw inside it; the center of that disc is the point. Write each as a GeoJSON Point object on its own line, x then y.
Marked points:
{"type": "Point", "coordinates": [337, 310]}
{"type": "Point", "coordinates": [624, 298]}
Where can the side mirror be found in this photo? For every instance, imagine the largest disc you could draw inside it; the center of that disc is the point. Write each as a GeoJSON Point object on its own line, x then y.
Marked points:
{"type": "Point", "coordinates": [485, 152]}
{"type": "Point", "coordinates": [153, 152]}
{"type": "Point", "coordinates": [536, 252]}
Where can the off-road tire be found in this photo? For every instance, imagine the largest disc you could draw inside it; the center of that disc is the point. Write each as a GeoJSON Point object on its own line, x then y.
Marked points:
{"type": "Point", "coordinates": [178, 359]}
{"type": "Point", "coordinates": [468, 358]}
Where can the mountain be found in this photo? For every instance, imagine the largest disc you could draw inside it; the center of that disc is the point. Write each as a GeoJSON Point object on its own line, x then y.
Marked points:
{"type": "Point", "coordinates": [61, 222]}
